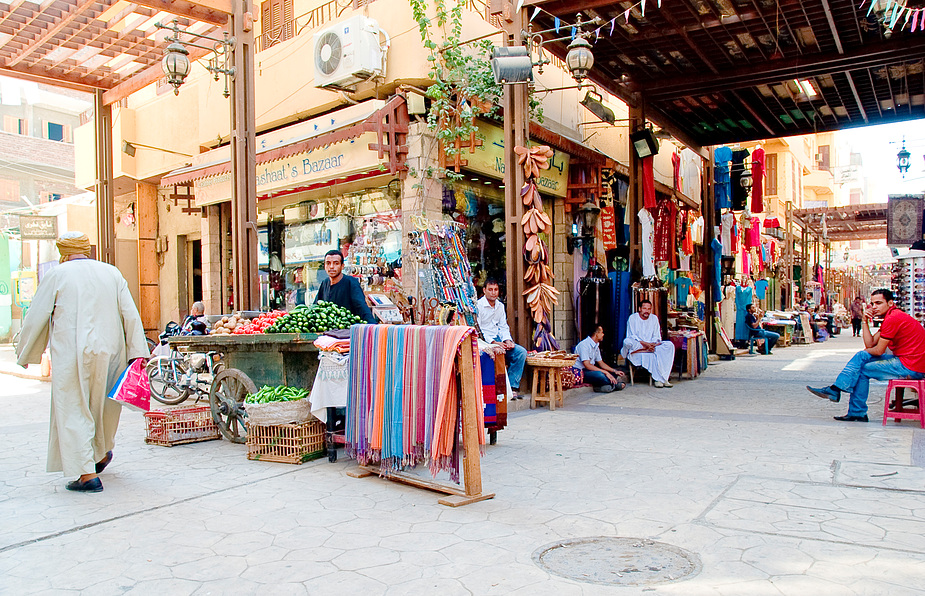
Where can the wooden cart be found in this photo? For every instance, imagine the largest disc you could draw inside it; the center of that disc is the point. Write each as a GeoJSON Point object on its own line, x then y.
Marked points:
{"type": "Point", "coordinates": [252, 361]}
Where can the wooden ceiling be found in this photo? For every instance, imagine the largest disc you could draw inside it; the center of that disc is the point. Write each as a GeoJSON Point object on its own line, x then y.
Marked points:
{"type": "Point", "coordinates": [852, 222]}
{"type": "Point", "coordinates": [728, 71]}
{"type": "Point", "coordinates": [111, 45]}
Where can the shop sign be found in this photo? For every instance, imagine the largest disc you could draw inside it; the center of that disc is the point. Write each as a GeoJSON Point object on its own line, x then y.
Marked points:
{"type": "Point", "coordinates": [609, 227]}
{"type": "Point", "coordinates": [302, 169]}
{"type": "Point", "coordinates": [488, 159]}
{"type": "Point", "coordinates": [38, 227]}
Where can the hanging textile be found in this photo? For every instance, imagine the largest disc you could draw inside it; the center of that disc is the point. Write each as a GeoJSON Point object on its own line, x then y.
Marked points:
{"type": "Point", "coordinates": [743, 297]}
{"type": "Point", "coordinates": [665, 216]}
{"type": "Point", "coordinates": [648, 182]}
{"type": "Point", "coordinates": [403, 396]}
{"type": "Point", "coordinates": [758, 180]}
{"type": "Point", "coordinates": [717, 247]}
{"type": "Point", "coordinates": [727, 225]}
{"type": "Point", "coordinates": [753, 233]}
{"type": "Point", "coordinates": [621, 304]}
{"type": "Point", "coordinates": [739, 193]}
{"type": "Point", "coordinates": [721, 182]}
{"type": "Point", "coordinates": [676, 169]}
{"type": "Point", "coordinates": [647, 224]}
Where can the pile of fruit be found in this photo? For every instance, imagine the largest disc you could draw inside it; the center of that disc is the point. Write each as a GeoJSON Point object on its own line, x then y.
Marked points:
{"type": "Point", "coordinates": [268, 394]}
{"type": "Point", "coordinates": [317, 318]}
{"type": "Point", "coordinates": [229, 325]}
{"type": "Point", "coordinates": [260, 324]}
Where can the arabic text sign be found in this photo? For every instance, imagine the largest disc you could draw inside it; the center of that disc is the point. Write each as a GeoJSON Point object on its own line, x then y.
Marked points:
{"type": "Point", "coordinates": [38, 227]}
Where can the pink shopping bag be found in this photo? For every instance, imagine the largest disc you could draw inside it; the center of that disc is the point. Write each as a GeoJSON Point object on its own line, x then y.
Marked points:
{"type": "Point", "coordinates": [133, 389]}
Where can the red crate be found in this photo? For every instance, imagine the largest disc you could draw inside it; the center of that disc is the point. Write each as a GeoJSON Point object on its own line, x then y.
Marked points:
{"type": "Point", "coordinates": [180, 425]}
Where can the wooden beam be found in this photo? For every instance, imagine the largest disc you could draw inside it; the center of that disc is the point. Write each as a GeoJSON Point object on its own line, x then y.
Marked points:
{"type": "Point", "coordinates": [207, 11]}
{"type": "Point", "coordinates": [146, 77]}
{"type": "Point", "coordinates": [73, 82]}
{"type": "Point", "coordinates": [64, 21]}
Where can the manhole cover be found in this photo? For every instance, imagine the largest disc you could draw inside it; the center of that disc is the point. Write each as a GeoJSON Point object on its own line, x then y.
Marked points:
{"type": "Point", "coordinates": [617, 561]}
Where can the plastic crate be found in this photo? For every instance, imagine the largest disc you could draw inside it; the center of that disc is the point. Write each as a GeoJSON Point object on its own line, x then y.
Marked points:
{"type": "Point", "coordinates": [286, 443]}
{"type": "Point", "coordinates": [180, 425]}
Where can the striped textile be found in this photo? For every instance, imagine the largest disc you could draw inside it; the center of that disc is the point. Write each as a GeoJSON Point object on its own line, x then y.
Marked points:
{"type": "Point", "coordinates": [403, 396]}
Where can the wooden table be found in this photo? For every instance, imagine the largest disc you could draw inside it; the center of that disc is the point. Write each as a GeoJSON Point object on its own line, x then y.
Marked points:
{"type": "Point", "coordinates": [547, 382]}
{"type": "Point", "coordinates": [784, 329]}
{"type": "Point", "coordinates": [691, 347]}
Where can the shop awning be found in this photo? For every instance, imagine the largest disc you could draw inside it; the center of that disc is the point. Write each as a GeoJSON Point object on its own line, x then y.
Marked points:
{"type": "Point", "coordinates": [850, 222]}
{"type": "Point", "coordinates": [384, 123]}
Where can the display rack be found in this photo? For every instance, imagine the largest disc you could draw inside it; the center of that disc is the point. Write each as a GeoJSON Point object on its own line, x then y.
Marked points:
{"type": "Point", "coordinates": [908, 282]}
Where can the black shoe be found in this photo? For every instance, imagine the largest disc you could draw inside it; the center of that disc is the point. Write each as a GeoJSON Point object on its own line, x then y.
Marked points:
{"type": "Point", "coordinates": [825, 393]}
{"type": "Point", "coordinates": [604, 389]}
{"type": "Point", "coordinates": [94, 485]}
{"type": "Point", "coordinates": [847, 418]}
{"type": "Point", "coordinates": [101, 465]}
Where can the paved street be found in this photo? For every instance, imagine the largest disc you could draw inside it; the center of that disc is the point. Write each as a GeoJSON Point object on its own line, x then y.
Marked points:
{"type": "Point", "coordinates": [742, 469]}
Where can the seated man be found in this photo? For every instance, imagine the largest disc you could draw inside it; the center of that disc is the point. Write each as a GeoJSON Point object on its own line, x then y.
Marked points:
{"type": "Point", "coordinates": [495, 330]}
{"type": "Point", "coordinates": [195, 322]}
{"type": "Point", "coordinates": [603, 377]}
{"type": "Point", "coordinates": [755, 330]}
{"type": "Point", "coordinates": [903, 335]}
{"type": "Point", "coordinates": [644, 347]}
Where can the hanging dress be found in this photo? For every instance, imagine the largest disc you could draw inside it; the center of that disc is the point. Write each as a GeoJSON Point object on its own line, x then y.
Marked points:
{"type": "Point", "coordinates": [727, 310]}
{"type": "Point", "coordinates": [743, 297]}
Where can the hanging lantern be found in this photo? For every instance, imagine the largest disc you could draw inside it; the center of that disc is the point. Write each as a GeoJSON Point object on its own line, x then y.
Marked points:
{"type": "Point", "coordinates": [903, 160]}
{"type": "Point", "coordinates": [175, 64]}
{"type": "Point", "coordinates": [579, 59]}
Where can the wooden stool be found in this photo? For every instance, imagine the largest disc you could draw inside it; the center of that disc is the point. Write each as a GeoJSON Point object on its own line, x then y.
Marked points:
{"type": "Point", "coordinates": [899, 412]}
{"type": "Point", "coordinates": [547, 387]}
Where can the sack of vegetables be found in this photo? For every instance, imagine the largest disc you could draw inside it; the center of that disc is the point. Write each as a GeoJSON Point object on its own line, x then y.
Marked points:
{"type": "Point", "coordinates": [277, 405]}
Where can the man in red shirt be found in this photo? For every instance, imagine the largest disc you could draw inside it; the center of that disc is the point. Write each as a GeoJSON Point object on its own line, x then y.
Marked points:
{"type": "Point", "coordinates": [903, 335]}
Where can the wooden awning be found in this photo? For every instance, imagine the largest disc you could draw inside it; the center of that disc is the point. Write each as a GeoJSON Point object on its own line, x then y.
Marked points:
{"type": "Point", "coordinates": [851, 222]}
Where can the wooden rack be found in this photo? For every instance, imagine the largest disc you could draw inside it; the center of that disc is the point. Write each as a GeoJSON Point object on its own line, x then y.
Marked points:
{"type": "Point", "coordinates": [472, 467]}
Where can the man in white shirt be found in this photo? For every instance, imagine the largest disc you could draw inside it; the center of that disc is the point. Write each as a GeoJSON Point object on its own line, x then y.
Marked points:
{"type": "Point", "coordinates": [644, 347]}
{"type": "Point", "coordinates": [495, 330]}
{"type": "Point", "coordinates": [603, 377]}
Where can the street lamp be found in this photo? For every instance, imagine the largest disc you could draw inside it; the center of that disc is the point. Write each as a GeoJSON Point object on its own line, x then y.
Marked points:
{"type": "Point", "coordinates": [579, 58]}
{"type": "Point", "coordinates": [903, 160]}
{"type": "Point", "coordinates": [584, 224]}
{"type": "Point", "coordinates": [176, 64]}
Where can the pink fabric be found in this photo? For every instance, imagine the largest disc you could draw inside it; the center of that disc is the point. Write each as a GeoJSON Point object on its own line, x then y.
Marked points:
{"type": "Point", "coordinates": [757, 180]}
{"type": "Point", "coordinates": [648, 183]}
{"type": "Point", "coordinates": [753, 234]}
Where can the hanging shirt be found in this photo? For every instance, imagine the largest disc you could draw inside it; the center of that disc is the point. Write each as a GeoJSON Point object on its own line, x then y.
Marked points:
{"type": "Point", "coordinates": [684, 260]}
{"type": "Point", "coordinates": [647, 223]}
{"type": "Point", "coordinates": [753, 234]}
{"type": "Point", "coordinates": [676, 168]}
{"type": "Point", "coordinates": [717, 247]}
{"type": "Point", "coordinates": [721, 183]}
{"type": "Point", "coordinates": [727, 223]}
{"type": "Point", "coordinates": [683, 284]}
{"type": "Point", "coordinates": [761, 288]}
{"type": "Point", "coordinates": [758, 180]}
{"type": "Point", "coordinates": [697, 231]}
{"type": "Point", "coordinates": [648, 182]}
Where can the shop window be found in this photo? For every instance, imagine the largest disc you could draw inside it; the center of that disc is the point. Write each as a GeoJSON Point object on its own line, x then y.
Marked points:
{"type": "Point", "coordinates": [276, 22]}
{"type": "Point", "coordinates": [480, 208]}
{"type": "Point", "coordinates": [770, 166]}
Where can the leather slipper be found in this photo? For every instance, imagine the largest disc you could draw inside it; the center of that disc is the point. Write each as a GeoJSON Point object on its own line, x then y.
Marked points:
{"type": "Point", "coordinates": [94, 485]}
{"type": "Point", "coordinates": [101, 465]}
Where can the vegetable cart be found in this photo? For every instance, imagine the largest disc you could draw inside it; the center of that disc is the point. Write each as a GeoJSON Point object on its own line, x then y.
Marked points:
{"type": "Point", "coordinates": [252, 361]}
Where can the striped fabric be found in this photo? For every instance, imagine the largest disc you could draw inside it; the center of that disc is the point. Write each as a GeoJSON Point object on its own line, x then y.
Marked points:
{"type": "Point", "coordinates": [403, 396]}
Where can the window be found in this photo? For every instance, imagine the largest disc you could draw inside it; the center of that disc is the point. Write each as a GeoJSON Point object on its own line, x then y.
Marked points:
{"type": "Point", "coordinates": [770, 167]}
{"type": "Point", "coordinates": [16, 126]}
{"type": "Point", "coordinates": [276, 22]}
{"type": "Point", "coordinates": [54, 132]}
{"type": "Point", "coordinates": [9, 191]}
{"type": "Point", "coordinates": [822, 159]}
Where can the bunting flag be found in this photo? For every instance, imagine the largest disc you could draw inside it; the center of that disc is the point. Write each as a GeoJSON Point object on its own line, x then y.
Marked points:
{"type": "Point", "coordinates": [643, 7]}
{"type": "Point", "coordinates": [536, 12]}
{"type": "Point", "coordinates": [556, 22]}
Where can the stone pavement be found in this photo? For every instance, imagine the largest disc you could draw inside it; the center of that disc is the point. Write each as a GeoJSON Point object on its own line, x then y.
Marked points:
{"type": "Point", "coordinates": [742, 468]}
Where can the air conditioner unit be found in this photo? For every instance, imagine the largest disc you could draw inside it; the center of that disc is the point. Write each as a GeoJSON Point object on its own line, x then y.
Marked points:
{"type": "Point", "coordinates": [347, 53]}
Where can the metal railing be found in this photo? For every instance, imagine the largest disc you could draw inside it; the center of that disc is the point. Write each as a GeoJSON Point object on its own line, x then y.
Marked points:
{"type": "Point", "coordinates": [309, 21]}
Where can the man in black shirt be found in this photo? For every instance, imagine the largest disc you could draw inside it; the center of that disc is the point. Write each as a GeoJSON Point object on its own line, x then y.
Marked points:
{"type": "Point", "coordinates": [755, 330]}
{"type": "Point", "coordinates": [343, 290]}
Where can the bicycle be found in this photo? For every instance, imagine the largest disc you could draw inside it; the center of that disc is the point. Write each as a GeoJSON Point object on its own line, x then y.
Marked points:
{"type": "Point", "coordinates": [175, 377]}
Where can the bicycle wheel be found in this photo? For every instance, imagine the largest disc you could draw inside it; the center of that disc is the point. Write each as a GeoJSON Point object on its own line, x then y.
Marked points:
{"type": "Point", "coordinates": [164, 375]}
{"type": "Point", "coordinates": [151, 344]}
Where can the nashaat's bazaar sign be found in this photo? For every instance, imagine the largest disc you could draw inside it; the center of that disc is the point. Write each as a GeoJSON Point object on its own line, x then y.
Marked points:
{"type": "Point", "coordinates": [337, 160]}
{"type": "Point", "coordinates": [488, 159]}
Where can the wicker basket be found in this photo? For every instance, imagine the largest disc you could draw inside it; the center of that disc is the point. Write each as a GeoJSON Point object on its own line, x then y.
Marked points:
{"type": "Point", "coordinates": [551, 362]}
{"type": "Point", "coordinates": [180, 425]}
{"type": "Point", "coordinates": [279, 412]}
{"type": "Point", "coordinates": [286, 443]}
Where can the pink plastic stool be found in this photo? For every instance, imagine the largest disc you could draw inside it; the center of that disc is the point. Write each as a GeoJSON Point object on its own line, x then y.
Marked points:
{"type": "Point", "coordinates": [901, 413]}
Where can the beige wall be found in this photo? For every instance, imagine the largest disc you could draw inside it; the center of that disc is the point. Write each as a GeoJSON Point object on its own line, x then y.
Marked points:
{"type": "Point", "coordinates": [172, 222]}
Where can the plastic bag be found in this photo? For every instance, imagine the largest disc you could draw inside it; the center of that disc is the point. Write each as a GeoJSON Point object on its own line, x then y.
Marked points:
{"type": "Point", "coordinates": [133, 388]}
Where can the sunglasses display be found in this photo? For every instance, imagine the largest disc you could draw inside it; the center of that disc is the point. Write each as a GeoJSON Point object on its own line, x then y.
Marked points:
{"type": "Point", "coordinates": [907, 280]}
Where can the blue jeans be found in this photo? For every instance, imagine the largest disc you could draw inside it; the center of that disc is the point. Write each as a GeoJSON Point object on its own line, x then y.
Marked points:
{"type": "Point", "coordinates": [596, 378]}
{"type": "Point", "coordinates": [855, 377]}
{"type": "Point", "coordinates": [515, 359]}
{"type": "Point", "coordinates": [768, 336]}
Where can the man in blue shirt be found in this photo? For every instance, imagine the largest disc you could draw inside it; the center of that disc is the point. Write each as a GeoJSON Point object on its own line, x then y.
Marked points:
{"type": "Point", "coordinates": [755, 330]}
{"type": "Point", "coordinates": [603, 377]}
{"type": "Point", "coordinates": [495, 330]}
{"type": "Point", "coordinates": [343, 290]}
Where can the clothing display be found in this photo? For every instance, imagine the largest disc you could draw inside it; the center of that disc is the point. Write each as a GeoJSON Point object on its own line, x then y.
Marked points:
{"type": "Point", "coordinates": [665, 241]}
{"type": "Point", "coordinates": [683, 285]}
{"type": "Point", "coordinates": [739, 192]}
{"type": "Point", "coordinates": [727, 310]}
{"type": "Point", "coordinates": [761, 287]}
{"type": "Point", "coordinates": [721, 182]}
{"type": "Point", "coordinates": [403, 396]}
{"type": "Point", "coordinates": [684, 261]}
{"type": "Point", "coordinates": [757, 205]}
{"type": "Point", "coordinates": [727, 226]}
{"type": "Point", "coordinates": [648, 182]}
{"type": "Point", "coordinates": [743, 297]}
{"type": "Point", "coordinates": [753, 233]}
{"type": "Point", "coordinates": [717, 247]}
{"type": "Point", "coordinates": [647, 235]}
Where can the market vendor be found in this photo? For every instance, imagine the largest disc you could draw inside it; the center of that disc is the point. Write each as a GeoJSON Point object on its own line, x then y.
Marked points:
{"type": "Point", "coordinates": [343, 290]}
{"type": "Point", "coordinates": [495, 330]}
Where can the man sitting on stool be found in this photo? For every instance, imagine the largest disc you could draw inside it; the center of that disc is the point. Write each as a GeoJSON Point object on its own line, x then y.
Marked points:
{"type": "Point", "coordinates": [495, 330]}
{"type": "Point", "coordinates": [755, 330]}
{"type": "Point", "coordinates": [603, 377]}
{"type": "Point", "coordinates": [644, 347]}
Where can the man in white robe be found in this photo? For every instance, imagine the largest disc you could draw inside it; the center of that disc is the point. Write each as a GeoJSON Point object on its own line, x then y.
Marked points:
{"type": "Point", "coordinates": [87, 309]}
{"type": "Point", "coordinates": [644, 347]}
